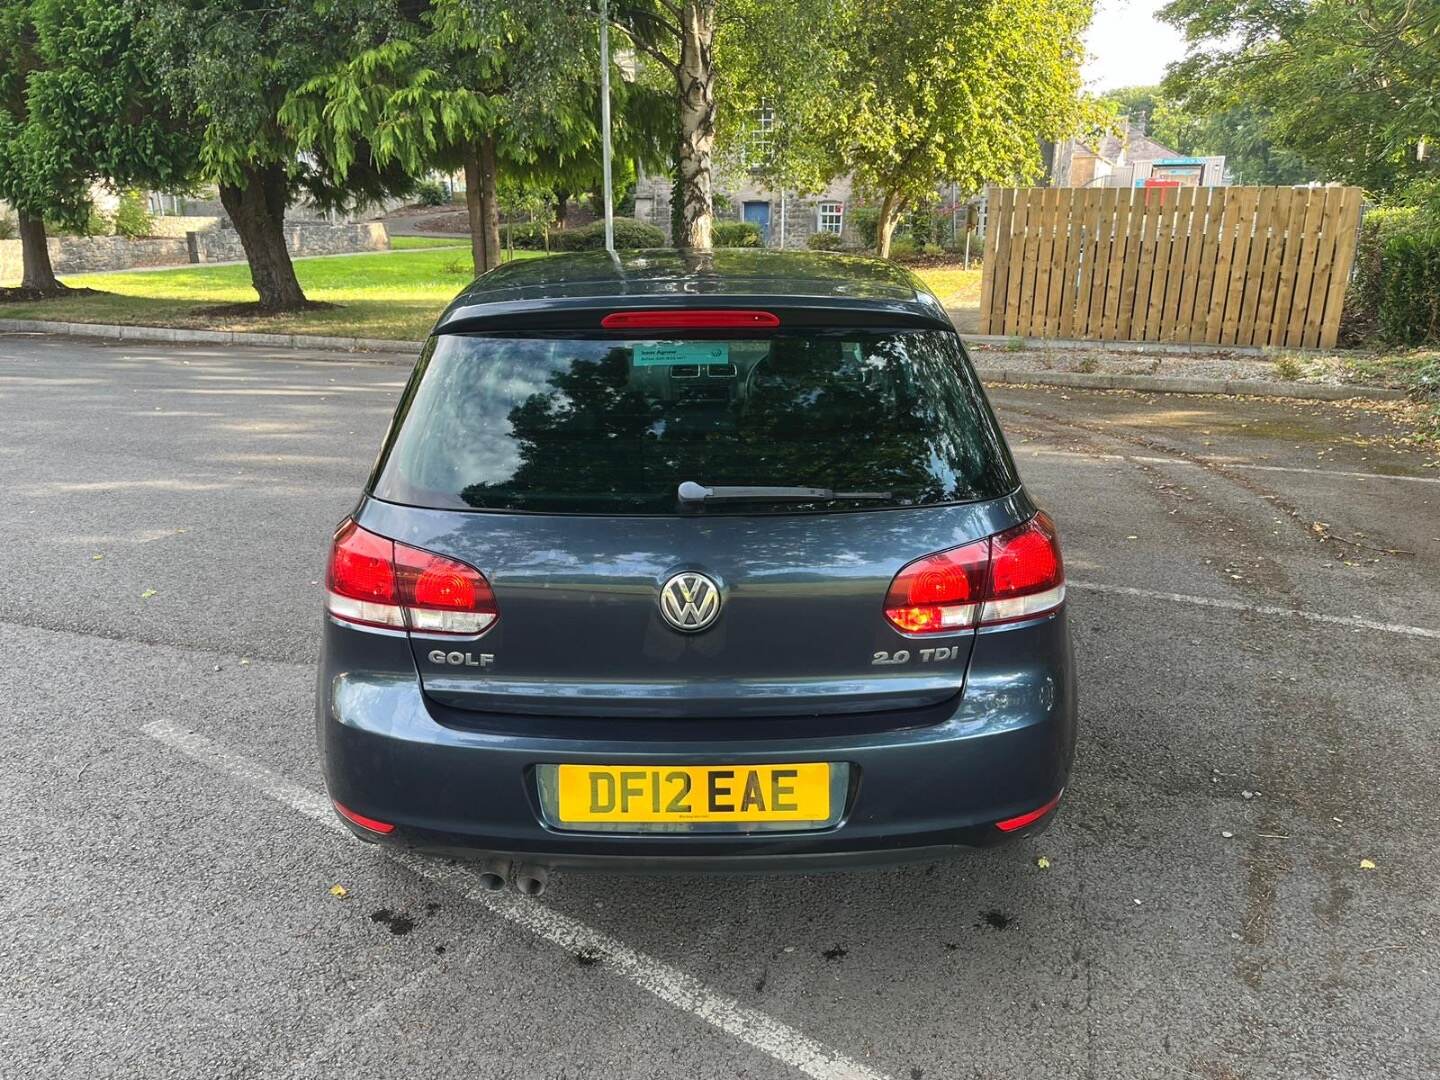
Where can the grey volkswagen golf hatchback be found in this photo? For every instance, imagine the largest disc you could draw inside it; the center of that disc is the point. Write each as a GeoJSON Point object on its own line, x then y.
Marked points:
{"type": "Point", "coordinates": [695, 561]}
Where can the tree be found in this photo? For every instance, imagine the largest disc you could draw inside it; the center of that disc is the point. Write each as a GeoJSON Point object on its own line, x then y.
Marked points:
{"type": "Point", "coordinates": [30, 180]}
{"type": "Point", "coordinates": [1347, 86]}
{"type": "Point", "coordinates": [780, 76]}
{"type": "Point", "coordinates": [960, 90]}
{"type": "Point", "coordinates": [679, 35]}
{"type": "Point", "coordinates": [232, 64]}
{"type": "Point", "coordinates": [479, 89]}
{"type": "Point", "coordinates": [1236, 131]}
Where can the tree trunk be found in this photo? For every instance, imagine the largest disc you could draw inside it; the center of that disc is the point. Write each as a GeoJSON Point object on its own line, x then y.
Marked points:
{"type": "Point", "coordinates": [482, 205]}
{"type": "Point", "coordinates": [257, 209]}
{"type": "Point", "coordinates": [695, 82]}
{"type": "Point", "coordinates": [474, 209]}
{"type": "Point", "coordinates": [37, 274]}
{"type": "Point", "coordinates": [890, 208]}
{"type": "Point", "coordinates": [489, 186]}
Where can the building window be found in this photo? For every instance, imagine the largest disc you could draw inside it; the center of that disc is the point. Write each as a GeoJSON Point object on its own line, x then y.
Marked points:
{"type": "Point", "coordinates": [832, 217]}
{"type": "Point", "coordinates": [756, 150]}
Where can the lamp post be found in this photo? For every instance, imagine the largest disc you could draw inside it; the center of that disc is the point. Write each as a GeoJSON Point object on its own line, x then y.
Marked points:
{"type": "Point", "coordinates": [605, 124]}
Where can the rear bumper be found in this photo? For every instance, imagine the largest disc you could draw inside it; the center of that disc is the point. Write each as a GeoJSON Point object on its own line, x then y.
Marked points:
{"type": "Point", "coordinates": [915, 793]}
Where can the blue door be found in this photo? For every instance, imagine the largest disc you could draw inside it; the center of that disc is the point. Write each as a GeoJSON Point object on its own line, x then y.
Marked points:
{"type": "Point", "coordinates": [759, 213]}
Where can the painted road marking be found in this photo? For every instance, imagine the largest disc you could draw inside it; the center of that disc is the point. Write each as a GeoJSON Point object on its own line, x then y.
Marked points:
{"type": "Point", "coordinates": [1354, 622]}
{"type": "Point", "coordinates": [1225, 463]}
{"type": "Point", "coordinates": [669, 984]}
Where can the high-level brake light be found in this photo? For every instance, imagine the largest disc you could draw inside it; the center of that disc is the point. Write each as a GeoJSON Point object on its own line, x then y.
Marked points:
{"type": "Point", "coordinates": [721, 319]}
{"type": "Point", "coordinates": [373, 581]}
{"type": "Point", "coordinates": [1017, 574]}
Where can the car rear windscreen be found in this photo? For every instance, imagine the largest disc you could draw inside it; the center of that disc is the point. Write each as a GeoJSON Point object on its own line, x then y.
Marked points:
{"type": "Point", "coordinates": [607, 426]}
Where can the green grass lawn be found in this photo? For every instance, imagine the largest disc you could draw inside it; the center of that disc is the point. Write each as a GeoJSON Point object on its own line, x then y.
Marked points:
{"type": "Point", "coordinates": [410, 243]}
{"type": "Point", "coordinates": [382, 295]}
{"type": "Point", "coordinates": [958, 289]}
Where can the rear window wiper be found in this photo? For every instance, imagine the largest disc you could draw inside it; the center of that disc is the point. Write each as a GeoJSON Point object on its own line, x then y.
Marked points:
{"type": "Point", "coordinates": [691, 492]}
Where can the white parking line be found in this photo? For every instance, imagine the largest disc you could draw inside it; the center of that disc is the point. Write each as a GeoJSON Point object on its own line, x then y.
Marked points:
{"type": "Point", "coordinates": [1226, 463]}
{"type": "Point", "coordinates": [1354, 622]}
{"type": "Point", "coordinates": [669, 984]}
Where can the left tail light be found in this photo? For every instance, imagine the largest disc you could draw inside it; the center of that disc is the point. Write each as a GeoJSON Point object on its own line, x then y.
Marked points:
{"type": "Point", "coordinates": [1016, 574]}
{"type": "Point", "coordinates": [372, 581]}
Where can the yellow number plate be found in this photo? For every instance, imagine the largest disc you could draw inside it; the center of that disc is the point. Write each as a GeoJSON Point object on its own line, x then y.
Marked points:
{"type": "Point", "coordinates": [637, 794]}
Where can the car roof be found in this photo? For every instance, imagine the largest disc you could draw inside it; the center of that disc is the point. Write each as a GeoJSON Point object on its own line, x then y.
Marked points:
{"type": "Point", "coordinates": [572, 291]}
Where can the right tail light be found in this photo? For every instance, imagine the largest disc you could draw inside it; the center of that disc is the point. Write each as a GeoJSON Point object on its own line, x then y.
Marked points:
{"type": "Point", "coordinates": [1017, 574]}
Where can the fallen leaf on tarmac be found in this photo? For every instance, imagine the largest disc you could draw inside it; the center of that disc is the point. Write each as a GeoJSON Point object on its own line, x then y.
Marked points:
{"type": "Point", "coordinates": [339, 891]}
{"type": "Point", "coordinates": [147, 594]}
{"type": "Point", "coordinates": [97, 558]}
{"type": "Point", "coordinates": [1043, 863]}
{"type": "Point", "coordinates": [1366, 864]}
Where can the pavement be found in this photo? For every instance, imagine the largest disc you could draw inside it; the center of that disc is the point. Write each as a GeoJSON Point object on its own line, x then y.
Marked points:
{"type": "Point", "coordinates": [413, 222]}
{"type": "Point", "coordinates": [1242, 882]}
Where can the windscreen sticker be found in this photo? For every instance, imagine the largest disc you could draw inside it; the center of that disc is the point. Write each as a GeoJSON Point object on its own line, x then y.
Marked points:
{"type": "Point", "coordinates": [678, 353]}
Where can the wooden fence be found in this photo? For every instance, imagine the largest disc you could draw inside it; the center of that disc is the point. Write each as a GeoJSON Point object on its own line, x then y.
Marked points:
{"type": "Point", "coordinates": [1229, 266]}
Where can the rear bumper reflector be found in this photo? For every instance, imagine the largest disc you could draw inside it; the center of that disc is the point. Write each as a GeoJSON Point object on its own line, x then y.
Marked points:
{"type": "Point", "coordinates": [368, 823]}
{"type": "Point", "coordinates": [1011, 824]}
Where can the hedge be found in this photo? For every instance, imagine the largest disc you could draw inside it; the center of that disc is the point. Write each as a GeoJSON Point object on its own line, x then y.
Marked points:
{"type": "Point", "coordinates": [1409, 309]}
{"type": "Point", "coordinates": [741, 234]}
{"type": "Point", "coordinates": [1391, 290]}
{"type": "Point", "coordinates": [629, 233]}
{"type": "Point", "coordinates": [528, 235]}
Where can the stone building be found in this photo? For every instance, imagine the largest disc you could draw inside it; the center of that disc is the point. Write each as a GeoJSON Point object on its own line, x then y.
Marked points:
{"type": "Point", "coordinates": [785, 219]}
{"type": "Point", "coordinates": [1132, 160]}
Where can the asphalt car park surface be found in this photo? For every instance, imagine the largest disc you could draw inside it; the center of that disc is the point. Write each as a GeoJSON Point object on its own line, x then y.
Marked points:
{"type": "Point", "coordinates": [1256, 599]}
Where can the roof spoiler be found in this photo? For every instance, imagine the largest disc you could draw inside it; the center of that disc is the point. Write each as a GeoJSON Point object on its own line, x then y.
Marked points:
{"type": "Point", "coordinates": [577, 314]}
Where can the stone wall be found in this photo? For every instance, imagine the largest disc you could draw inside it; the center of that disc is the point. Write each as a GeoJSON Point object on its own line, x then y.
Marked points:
{"type": "Point", "coordinates": [92, 254]}
{"type": "Point", "coordinates": [223, 245]}
{"type": "Point", "coordinates": [176, 225]}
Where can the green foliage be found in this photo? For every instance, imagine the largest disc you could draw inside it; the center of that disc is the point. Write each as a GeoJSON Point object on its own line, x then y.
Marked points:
{"type": "Point", "coordinates": [132, 217]}
{"type": "Point", "coordinates": [744, 234]}
{"type": "Point", "coordinates": [974, 242]}
{"type": "Point", "coordinates": [903, 247]}
{"type": "Point", "coordinates": [1360, 322]}
{"type": "Point", "coordinates": [866, 222]}
{"type": "Point", "coordinates": [430, 193]}
{"type": "Point", "coordinates": [629, 233]}
{"type": "Point", "coordinates": [8, 230]}
{"type": "Point", "coordinates": [35, 178]}
{"type": "Point", "coordinates": [232, 65]}
{"type": "Point", "coordinates": [783, 58]}
{"type": "Point", "coordinates": [525, 235]}
{"type": "Point", "coordinates": [1209, 127]}
{"type": "Point", "coordinates": [90, 223]}
{"type": "Point", "coordinates": [1287, 368]}
{"type": "Point", "coordinates": [1348, 88]}
{"type": "Point", "coordinates": [452, 72]}
{"type": "Point", "coordinates": [962, 90]}
{"type": "Point", "coordinates": [824, 241]}
{"type": "Point", "coordinates": [1409, 310]}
